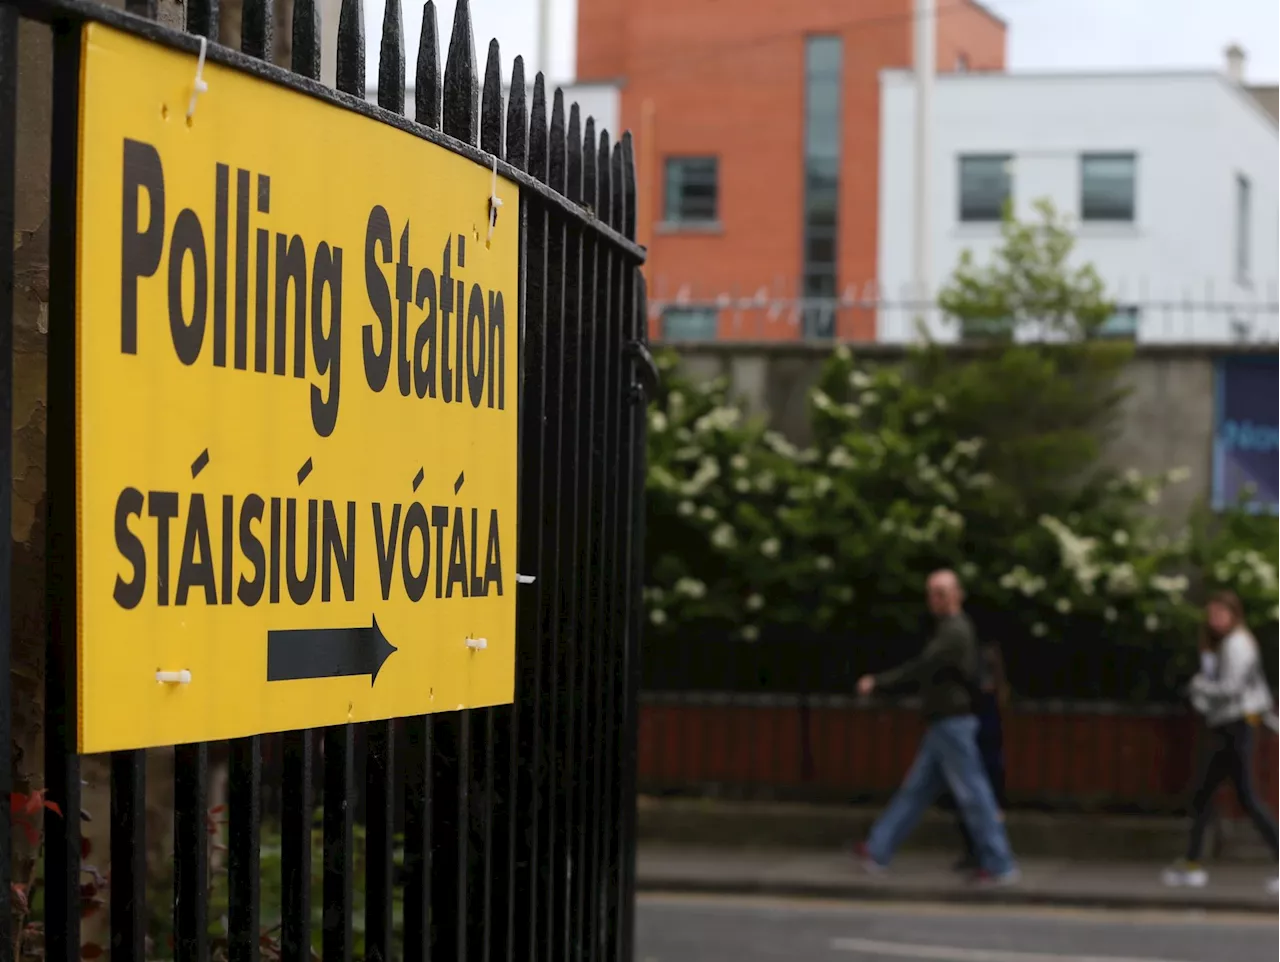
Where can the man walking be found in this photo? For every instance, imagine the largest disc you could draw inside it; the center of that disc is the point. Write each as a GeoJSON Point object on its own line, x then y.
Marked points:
{"type": "Point", "coordinates": [945, 674]}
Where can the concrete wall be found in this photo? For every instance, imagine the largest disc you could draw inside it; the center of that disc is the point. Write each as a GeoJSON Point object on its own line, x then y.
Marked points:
{"type": "Point", "coordinates": [1168, 422]}
{"type": "Point", "coordinates": [1192, 134]}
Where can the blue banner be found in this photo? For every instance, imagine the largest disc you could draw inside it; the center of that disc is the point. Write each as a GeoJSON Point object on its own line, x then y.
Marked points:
{"type": "Point", "coordinates": [1245, 432]}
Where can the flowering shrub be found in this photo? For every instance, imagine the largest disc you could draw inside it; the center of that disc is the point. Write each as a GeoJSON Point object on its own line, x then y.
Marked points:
{"type": "Point", "coordinates": [750, 535]}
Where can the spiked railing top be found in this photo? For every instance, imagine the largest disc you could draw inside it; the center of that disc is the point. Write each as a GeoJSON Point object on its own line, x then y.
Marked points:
{"type": "Point", "coordinates": [550, 149]}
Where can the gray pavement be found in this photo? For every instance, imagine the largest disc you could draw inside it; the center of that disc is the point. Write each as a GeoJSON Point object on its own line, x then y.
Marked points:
{"type": "Point", "coordinates": [699, 928]}
{"type": "Point", "coordinates": [914, 877]}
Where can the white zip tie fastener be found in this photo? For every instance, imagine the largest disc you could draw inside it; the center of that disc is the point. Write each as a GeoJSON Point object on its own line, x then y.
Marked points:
{"type": "Point", "coordinates": [494, 201]}
{"type": "Point", "coordinates": [477, 644]}
{"type": "Point", "coordinates": [198, 85]}
{"type": "Point", "coordinates": [526, 579]}
{"type": "Point", "coordinates": [174, 677]}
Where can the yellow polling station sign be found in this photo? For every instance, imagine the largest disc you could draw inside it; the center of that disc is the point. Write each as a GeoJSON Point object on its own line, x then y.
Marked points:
{"type": "Point", "coordinates": [296, 411]}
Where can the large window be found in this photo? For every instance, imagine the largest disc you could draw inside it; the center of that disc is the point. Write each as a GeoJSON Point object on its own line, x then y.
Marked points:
{"type": "Point", "coordinates": [823, 59]}
{"type": "Point", "coordinates": [692, 190]}
{"type": "Point", "coordinates": [1243, 226]}
{"type": "Point", "coordinates": [1108, 187]}
{"type": "Point", "coordinates": [986, 185]}
{"type": "Point", "coordinates": [689, 324]}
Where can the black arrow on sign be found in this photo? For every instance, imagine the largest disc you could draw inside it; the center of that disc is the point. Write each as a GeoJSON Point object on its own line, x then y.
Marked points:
{"type": "Point", "coordinates": [294, 654]}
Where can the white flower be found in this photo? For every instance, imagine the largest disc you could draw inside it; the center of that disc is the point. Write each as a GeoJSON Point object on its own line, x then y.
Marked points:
{"type": "Point", "coordinates": [1039, 630]}
{"type": "Point", "coordinates": [742, 485]}
{"type": "Point", "coordinates": [920, 418]}
{"type": "Point", "coordinates": [770, 547]}
{"type": "Point", "coordinates": [1175, 585]}
{"type": "Point", "coordinates": [844, 593]}
{"type": "Point", "coordinates": [980, 480]}
{"type": "Point", "coordinates": [887, 525]}
{"type": "Point", "coordinates": [1132, 476]}
{"type": "Point", "coordinates": [766, 482]}
{"type": "Point", "coordinates": [1109, 613]}
{"type": "Point", "coordinates": [851, 410]}
{"type": "Point", "coordinates": [859, 380]}
{"type": "Point", "coordinates": [1063, 605]}
{"type": "Point", "coordinates": [843, 354]}
{"type": "Point", "coordinates": [821, 485]}
{"type": "Point", "coordinates": [869, 398]}
{"type": "Point", "coordinates": [718, 419]}
{"type": "Point", "coordinates": [1120, 538]}
{"type": "Point", "coordinates": [940, 402]}
{"type": "Point", "coordinates": [780, 445]}
{"type": "Point", "coordinates": [821, 401]}
{"type": "Point", "coordinates": [739, 462]}
{"type": "Point", "coordinates": [754, 602]}
{"type": "Point", "coordinates": [1151, 623]}
{"type": "Point", "coordinates": [750, 632]}
{"type": "Point", "coordinates": [686, 509]}
{"type": "Point", "coordinates": [840, 458]}
{"type": "Point", "coordinates": [1177, 475]}
{"type": "Point", "coordinates": [968, 571]}
{"type": "Point", "coordinates": [1122, 579]}
{"type": "Point", "coordinates": [708, 471]}
{"type": "Point", "coordinates": [823, 562]}
{"type": "Point", "coordinates": [707, 513]}
{"type": "Point", "coordinates": [675, 402]}
{"type": "Point", "coordinates": [690, 588]}
{"type": "Point", "coordinates": [968, 448]}
{"type": "Point", "coordinates": [1152, 496]}
{"type": "Point", "coordinates": [658, 616]}
{"type": "Point", "coordinates": [723, 536]}
{"type": "Point", "coordinates": [657, 422]}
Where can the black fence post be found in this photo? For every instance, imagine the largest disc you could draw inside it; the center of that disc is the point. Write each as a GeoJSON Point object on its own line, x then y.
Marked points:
{"type": "Point", "coordinates": [8, 165]}
{"type": "Point", "coordinates": [62, 764]}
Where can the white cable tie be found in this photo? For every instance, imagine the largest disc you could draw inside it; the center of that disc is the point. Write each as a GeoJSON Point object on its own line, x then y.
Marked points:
{"type": "Point", "coordinates": [477, 644]}
{"type": "Point", "coordinates": [174, 677]}
{"type": "Point", "coordinates": [198, 86]}
{"type": "Point", "coordinates": [494, 201]}
{"type": "Point", "coordinates": [526, 579]}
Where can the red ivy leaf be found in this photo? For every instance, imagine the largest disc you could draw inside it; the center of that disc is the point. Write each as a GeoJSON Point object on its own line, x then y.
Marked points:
{"type": "Point", "coordinates": [29, 830]}
{"type": "Point", "coordinates": [85, 847]}
{"type": "Point", "coordinates": [217, 810]}
{"type": "Point", "coordinates": [90, 950]}
{"type": "Point", "coordinates": [54, 807]}
{"type": "Point", "coordinates": [18, 893]}
{"type": "Point", "coordinates": [34, 801]}
{"type": "Point", "coordinates": [17, 802]}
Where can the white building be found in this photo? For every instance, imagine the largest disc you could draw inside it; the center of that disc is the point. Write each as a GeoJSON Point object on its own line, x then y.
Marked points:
{"type": "Point", "coordinates": [1171, 179]}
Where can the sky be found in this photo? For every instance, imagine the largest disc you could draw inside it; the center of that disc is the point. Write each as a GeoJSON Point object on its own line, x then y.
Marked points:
{"type": "Point", "coordinates": [1043, 34]}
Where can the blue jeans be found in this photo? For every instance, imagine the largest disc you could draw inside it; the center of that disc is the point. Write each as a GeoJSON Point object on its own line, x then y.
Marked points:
{"type": "Point", "coordinates": [948, 758]}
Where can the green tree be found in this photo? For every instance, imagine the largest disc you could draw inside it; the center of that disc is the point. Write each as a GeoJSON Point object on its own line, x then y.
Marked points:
{"type": "Point", "coordinates": [1029, 283]}
{"type": "Point", "coordinates": [1045, 408]}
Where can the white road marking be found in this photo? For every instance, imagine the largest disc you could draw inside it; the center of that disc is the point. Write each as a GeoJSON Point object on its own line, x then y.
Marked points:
{"type": "Point", "coordinates": [955, 953]}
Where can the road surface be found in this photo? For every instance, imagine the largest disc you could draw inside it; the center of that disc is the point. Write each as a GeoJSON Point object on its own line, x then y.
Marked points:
{"type": "Point", "coordinates": [743, 929]}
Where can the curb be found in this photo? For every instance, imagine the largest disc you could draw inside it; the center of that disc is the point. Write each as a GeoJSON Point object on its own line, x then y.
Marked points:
{"type": "Point", "coordinates": [1012, 896]}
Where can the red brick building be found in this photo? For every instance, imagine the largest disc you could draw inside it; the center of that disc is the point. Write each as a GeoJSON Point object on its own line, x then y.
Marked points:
{"type": "Point", "coordinates": [757, 128]}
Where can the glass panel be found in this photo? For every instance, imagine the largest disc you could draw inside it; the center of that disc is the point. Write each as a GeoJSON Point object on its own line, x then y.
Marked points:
{"type": "Point", "coordinates": [1122, 324]}
{"type": "Point", "coordinates": [823, 67]}
{"type": "Point", "coordinates": [1242, 227]}
{"type": "Point", "coordinates": [689, 324]}
{"type": "Point", "coordinates": [691, 190]}
{"type": "Point", "coordinates": [986, 183]}
{"type": "Point", "coordinates": [1107, 187]}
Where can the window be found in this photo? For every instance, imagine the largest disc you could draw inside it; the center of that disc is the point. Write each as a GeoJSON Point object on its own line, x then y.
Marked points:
{"type": "Point", "coordinates": [1122, 325]}
{"type": "Point", "coordinates": [1243, 204]}
{"type": "Point", "coordinates": [692, 190]}
{"type": "Point", "coordinates": [986, 185]}
{"type": "Point", "coordinates": [823, 65]}
{"type": "Point", "coordinates": [689, 324]}
{"type": "Point", "coordinates": [1107, 187]}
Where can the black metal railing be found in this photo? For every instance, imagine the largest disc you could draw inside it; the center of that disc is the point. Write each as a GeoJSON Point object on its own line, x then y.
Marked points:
{"type": "Point", "coordinates": [514, 825]}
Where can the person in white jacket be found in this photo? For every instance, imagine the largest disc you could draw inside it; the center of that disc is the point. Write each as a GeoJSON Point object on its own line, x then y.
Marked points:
{"type": "Point", "coordinates": [1232, 694]}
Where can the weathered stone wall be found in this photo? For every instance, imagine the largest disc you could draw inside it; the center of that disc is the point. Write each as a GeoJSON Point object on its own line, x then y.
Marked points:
{"type": "Point", "coordinates": [1168, 420]}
